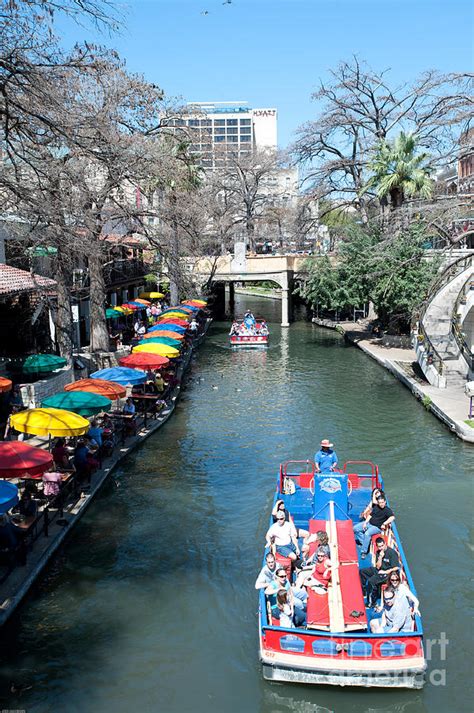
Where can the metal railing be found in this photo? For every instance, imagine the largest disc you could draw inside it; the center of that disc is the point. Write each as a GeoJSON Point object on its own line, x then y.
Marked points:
{"type": "Point", "coordinates": [418, 331]}
{"type": "Point", "coordinates": [456, 325]}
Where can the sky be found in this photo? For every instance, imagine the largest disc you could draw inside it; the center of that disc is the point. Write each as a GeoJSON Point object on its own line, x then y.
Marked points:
{"type": "Point", "coordinates": [274, 53]}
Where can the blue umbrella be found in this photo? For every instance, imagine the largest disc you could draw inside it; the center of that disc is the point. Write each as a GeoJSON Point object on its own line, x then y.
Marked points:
{"type": "Point", "coordinates": [8, 496]}
{"type": "Point", "coordinates": [137, 304]}
{"type": "Point", "coordinates": [168, 328]}
{"type": "Point", "coordinates": [121, 375]}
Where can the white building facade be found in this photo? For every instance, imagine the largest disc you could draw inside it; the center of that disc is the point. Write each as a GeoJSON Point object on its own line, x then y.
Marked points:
{"type": "Point", "coordinates": [219, 128]}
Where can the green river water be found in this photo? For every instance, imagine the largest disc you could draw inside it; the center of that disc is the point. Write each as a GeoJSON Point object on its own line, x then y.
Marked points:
{"type": "Point", "coordinates": [151, 604]}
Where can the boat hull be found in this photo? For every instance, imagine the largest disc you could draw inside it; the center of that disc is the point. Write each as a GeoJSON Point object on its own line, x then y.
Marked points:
{"type": "Point", "coordinates": [243, 342]}
{"type": "Point", "coordinates": [404, 678]}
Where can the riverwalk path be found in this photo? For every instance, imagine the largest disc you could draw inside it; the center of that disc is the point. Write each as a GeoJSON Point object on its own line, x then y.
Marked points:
{"type": "Point", "coordinates": [48, 536]}
{"type": "Point", "coordinates": [450, 405]}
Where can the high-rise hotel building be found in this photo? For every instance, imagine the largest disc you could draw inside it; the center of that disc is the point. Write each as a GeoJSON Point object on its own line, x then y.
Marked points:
{"type": "Point", "coordinates": [220, 128]}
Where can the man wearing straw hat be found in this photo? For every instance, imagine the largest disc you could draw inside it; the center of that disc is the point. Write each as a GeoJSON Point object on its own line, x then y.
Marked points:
{"type": "Point", "coordinates": [325, 459]}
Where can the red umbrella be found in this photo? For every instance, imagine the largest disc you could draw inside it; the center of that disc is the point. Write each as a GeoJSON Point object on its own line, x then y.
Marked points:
{"type": "Point", "coordinates": [127, 305]}
{"type": "Point", "coordinates": [144, 360]}
{"type": "Point", "coordinates": [5, 384]}
{"type": "Point", "coordinates": [174, 320]}
{"type": "Point", "coordinates": [18, 458]}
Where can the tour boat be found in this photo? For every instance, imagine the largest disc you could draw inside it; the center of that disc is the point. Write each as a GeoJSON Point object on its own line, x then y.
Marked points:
{"type": "Point", "coordinates": [248, 340]}
{"type": "Point", "coordinates": [336, 645]}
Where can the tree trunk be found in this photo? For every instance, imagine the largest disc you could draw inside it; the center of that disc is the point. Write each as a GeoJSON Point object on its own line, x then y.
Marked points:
{"type": "Point", "coordinates": [99, 341]}
{"type": "Point", "coordinates": [63, 321]}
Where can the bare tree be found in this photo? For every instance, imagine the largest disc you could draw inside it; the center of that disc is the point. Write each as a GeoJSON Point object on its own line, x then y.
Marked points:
{"type": "Point", "coordinates": [359, 108]}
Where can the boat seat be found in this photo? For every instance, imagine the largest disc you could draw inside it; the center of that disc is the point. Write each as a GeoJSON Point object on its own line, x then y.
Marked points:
{"type": "Point", "coordinates": [352, 597]}
{"type": "Point", "coordinates": [284, 562]}
{"type": "Point", "coordinates": [317, 611]}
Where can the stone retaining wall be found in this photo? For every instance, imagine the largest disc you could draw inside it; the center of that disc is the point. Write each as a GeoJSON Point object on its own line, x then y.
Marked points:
{"type": "Point", "coordinates": [33, 394]}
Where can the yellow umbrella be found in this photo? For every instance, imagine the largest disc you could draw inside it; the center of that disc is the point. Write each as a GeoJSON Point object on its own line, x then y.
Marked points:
{"type": "Point", "coordinates": [179, 315]}
{"type": "Point", "coordinates": [49, 422]}
{"type": "Point", "coordinates": [152, 295]}
{"type": "Point", "coordinates": [125, 310]}
{"type": "Point", "coordinates": [156, 348]}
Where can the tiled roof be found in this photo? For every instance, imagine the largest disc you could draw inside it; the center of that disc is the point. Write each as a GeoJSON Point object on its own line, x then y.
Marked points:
{"type": "Point", "coordinates": [13, 281]}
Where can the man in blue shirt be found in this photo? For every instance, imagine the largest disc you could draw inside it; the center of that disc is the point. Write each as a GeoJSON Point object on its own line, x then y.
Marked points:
{"type": "Point", "coordinates": [325, 459]}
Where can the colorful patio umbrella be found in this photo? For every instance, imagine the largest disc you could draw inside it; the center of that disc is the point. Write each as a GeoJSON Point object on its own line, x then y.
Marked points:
{"type": "Point", "coordinates": [121, 375]}
{"type": "Point", "coordinates": [145, 360]}
{"type": "Point", "coordinates": [111, 313]}
{"type": "Point", "coordinates": [124, 310]}
{"type": "Point", "coordinates": [173, 320]}
{"type": "Point", "coordinates": [18, 458]}
{"type": "Point", "coordinates": [172, 314]}
{"type": "Point", "coordinates": [164, 327]}
{"type": "Point", "coordinates": [175, 343]}
{"type": "Point", "coordinates": [181, 310]}
{"type": "Point", "coordinates": [162, 349]}
{"type": "Point", "coordinates": [8, 496]}
{"type": "Point", "coordinates": [5, 384]}
{"type": "Point", "coordinates": [152, 295]}
{"type": "Point", "coordinates": [49, 422]}
{"type": "Point", "coordinates": [82, 402]}
{"type": "Point", "coordinates": [137, 304]}
{"type": "Point", "coordinates": [109, 389]}
{"type": "Point", "coordinates": [197, 303]}
{"type": "Point", "coordinates": [147, 303]}
{"type": "Point", "coordinates": [42, 363]}
{"type": "Point", "coordinates": [163, 333]}
{"type": "Point", "coordinates": [130, 306]}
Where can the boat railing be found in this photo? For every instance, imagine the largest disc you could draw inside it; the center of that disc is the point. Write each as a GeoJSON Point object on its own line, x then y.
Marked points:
{"type": "Point", "coordinates": [374, 469]}
{"type": "Point", "coordinates": [302, 467]}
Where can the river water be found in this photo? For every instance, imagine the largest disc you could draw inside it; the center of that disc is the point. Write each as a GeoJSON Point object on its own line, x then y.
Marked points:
{"type": "Point", "coordinates": [151, 606]}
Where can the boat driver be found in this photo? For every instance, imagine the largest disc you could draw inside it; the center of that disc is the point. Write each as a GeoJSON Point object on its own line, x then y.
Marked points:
{"type": "Point", "coordinates": [325, 459]}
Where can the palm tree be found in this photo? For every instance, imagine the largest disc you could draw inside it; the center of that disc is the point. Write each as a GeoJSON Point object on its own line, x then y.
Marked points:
{"type": "Point", "coordinates": [399, 172]}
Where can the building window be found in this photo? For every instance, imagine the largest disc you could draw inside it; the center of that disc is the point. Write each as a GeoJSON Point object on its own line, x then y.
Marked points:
{"type": "Point", "coordinates": [219, 130]}
{"type": "Point", "coordinates": [232, 130]}
{"type": "Point", "coordinates": [218, 139]}
{"type": "Point", "coordinates": [232, 122]}
{"type": "Point", "coordinates": [245, 122]}
{"type": "Point", "coordinates": [245, 137]}
{"type": "Point", "coordinates": [193, 122]}
{"type": "Point", "coordinates": [245, 129]}
{"type": "Point", "coordinates": [206, 122]}
{"type": "Point", "coordinates": [232, 139]}
{"type": "Point", "coordinates": [219, 122]}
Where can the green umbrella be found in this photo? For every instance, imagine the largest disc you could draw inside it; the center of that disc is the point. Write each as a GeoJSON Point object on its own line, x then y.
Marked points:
{"type": "Point", "coordinates": [163, 340]}
{"type": "Point", "coordinates": [84, 403]}
{"type": "Point", "coordinates": [42, 363]}
{"type": "Point", "coordinates": [111, 313]}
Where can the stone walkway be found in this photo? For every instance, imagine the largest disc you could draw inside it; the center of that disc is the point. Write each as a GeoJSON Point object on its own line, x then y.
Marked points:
{"type": "Point", "coordinates": [450, 405]}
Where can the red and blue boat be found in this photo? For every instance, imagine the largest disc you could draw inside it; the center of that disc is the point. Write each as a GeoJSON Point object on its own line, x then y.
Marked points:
{"type": "Point", "coordinates": [255, 337]}
{"type": "Point", "coordinates": [336, 645]}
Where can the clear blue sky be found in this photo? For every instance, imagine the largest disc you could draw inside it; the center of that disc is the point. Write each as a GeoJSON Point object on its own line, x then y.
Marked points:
{"type": "Point", "coordinates": [272, 53]}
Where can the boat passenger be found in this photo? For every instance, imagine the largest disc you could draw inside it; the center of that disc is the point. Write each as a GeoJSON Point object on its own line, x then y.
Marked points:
{"type": "Point", "coordinates": [386, 563]}
{"type": "Point", "coordinates": [378, 521]}
{"type": "Point", "coordinates": [267, 573]}
{"type": "Point", "coordinates": [376, 492]}
{"type": "Point", "coordinates": [322, 541]}
{"type": "Point", "coordinates": [280, 506]}
{"type": "Point", "coordinates": [249, 319]}
{"type": "Point", "coordinates": [297, 597]}
{"type": "Point", "coordinates": [234, 330]}
{"type": "Point", "coordinates": [283, 535]}
{"type": "Point", "coordinates": [325, 459]}
{"type": "Point", "coordinates": [321, 575]}
{"type": "Point", "coordinates": [263, 328]}
{"type": "Point", "coordinates": [396, 615]}
{"type": "Point", "coordinates": [401, 589]}
{"type": "Point", "coordinates": [284, 609]}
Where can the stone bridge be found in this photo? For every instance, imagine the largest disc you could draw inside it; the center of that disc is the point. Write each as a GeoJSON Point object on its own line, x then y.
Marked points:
{"type": "Point", "coordinates": [282, 269]}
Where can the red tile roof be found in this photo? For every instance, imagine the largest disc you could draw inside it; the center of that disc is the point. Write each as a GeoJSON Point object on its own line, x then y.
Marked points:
{"type": "Point", "coordinates": [13, 281]}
